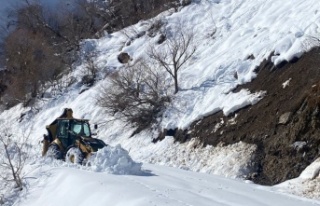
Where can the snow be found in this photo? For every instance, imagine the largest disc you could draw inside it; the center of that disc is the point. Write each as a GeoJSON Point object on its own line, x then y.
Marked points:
{"type": "Point", "coordinates": [228, 32]}
{"type": "Point", "coordinates": [307, 184]}
{"type": "Point", "coordinates": [286, 83]}
{"type": "Point", "coordinates": [114, 160]}
{"type": "Point", "coordinates": [312, 171]}
{"type": "Point", "coordinates": [299, 145]}
{"type": "Point", "coordinates": [241, 29]}
{"type": "Point", "coordinates": [158, 186]}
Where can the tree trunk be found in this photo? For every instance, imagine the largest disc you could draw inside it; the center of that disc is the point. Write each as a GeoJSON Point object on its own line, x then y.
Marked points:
{"type": "Point", "coordinates": [176, 87]}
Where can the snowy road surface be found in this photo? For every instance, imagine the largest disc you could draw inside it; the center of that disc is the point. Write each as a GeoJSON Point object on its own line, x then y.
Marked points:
{"type": "Point", "coordinates": [159, 186]}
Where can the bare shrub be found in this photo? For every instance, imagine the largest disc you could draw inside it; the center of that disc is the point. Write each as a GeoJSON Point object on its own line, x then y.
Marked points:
{"type": "Point", "coordinates": [177, 51]}
{"type": "Point", "coordinates": [155, 27]}
{"type": "Point", "coordinates": [71, 23]}
{"type": "Point", "coordinates": [14, 154]}
{"type": "Point", "coordinates": [136, 94]}
{"type": "Point", "coordinates": [90, 70]}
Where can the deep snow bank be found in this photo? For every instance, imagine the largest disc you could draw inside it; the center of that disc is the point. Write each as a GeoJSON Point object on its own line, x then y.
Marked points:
{"type": "Point", "coordinates": [112, 160]}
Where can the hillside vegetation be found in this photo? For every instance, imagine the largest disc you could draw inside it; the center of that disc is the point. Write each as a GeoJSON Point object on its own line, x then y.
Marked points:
{"type": "Point", "coordinates": [43, 41]}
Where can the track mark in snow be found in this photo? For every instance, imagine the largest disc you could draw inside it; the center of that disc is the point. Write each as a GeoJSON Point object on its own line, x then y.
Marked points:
{"type": "Point", "coordinates": [169, 193]}
{"type": "Point", "coordinates": [160, 193]}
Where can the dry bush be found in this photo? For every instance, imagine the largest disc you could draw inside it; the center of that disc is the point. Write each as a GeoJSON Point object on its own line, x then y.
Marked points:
{"type": "Point", "coordinates": [90, 70]}
{"type": "Point", "coordinates": [137, 94]}
{"type": "Point", "coordinates": [156, 25]}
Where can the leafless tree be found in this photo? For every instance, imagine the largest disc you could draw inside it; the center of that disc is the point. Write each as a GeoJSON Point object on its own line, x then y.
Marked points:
{"type": "Point", "coordinates": [177, 51]}
{"type": "Point", "coordinates": [137, 94]}
{"type": "Point", "coordinates": [31, 62]}
{"type": "Point", "coordinates": [14, 154]}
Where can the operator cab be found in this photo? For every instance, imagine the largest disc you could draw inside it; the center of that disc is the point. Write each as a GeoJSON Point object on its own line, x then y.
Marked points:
{"type": "Point", "coordinates": [70, 129]}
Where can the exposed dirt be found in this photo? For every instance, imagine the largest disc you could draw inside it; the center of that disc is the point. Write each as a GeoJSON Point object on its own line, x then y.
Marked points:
{"type": "Point", "coordinates": [284, 124]}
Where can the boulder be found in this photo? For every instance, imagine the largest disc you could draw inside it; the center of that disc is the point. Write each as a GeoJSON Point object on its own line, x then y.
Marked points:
{"type": "Point", "coordinates": [124, 57]}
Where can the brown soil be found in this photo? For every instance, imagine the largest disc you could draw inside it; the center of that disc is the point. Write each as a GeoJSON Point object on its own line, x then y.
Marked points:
{"type": "Point", "coordinates": [278, 158]}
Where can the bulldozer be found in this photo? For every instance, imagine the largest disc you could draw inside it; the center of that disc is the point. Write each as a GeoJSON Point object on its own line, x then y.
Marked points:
{"type": "Point", "coordinates": [70, 139]}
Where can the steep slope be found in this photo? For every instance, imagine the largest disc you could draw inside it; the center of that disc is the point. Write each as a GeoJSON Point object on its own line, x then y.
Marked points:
{"type": "Point", "coordinates": [233, 37]}
{"type": "Point", "coordinates": [284, 124]}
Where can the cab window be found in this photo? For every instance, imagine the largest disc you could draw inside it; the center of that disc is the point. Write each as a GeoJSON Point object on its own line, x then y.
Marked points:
{"type": "Point", "coordinates": [81, 128]}
{"type": "Point", "coordinates": [86, 129]}
{"type": "Point", "coordinates": [76, 128]}
{"type": "Point", "coordinates": [63, 126]}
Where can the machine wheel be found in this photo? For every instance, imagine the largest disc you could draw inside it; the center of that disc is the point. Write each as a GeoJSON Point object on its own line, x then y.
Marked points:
{"type": "Point", "coordinates": [74, 155]}
{"type": "Point", "coordinates": [54, 151]}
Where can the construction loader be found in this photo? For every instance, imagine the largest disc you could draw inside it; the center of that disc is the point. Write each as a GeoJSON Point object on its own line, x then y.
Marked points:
{"type": "Point", "coordinates": [70, 139]}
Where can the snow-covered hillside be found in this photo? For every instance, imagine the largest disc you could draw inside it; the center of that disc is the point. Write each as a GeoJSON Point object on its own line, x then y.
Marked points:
{"type": "Point", "coordinates": [232, 38]}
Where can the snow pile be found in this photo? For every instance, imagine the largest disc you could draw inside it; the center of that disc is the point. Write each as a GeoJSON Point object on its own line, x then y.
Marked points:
{"type": "Point", "coordinates": [230, 161]}
{"type": "Point", "coordinates": [114, 160]}
{"type": "Point", "coordinates": [312, 171]}
{"type": "Point", "coordinates": [307, 184]}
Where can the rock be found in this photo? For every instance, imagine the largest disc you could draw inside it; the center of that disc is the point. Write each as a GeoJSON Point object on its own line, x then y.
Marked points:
{"type": "Point", "coordinates": [88, 80]}
{"type": "Point", "coordinates": [299, 145]}
{"type": "Point", "coordinates": [285, 118]}
{"type": "Point", "coordinates": [161, 39]}
{"type": "Point", "coordinates": [251, 57]}
{"type": "Point", "coordinates": [124, 57]}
